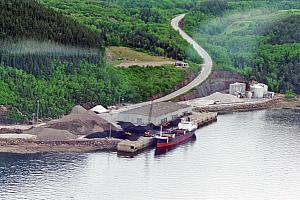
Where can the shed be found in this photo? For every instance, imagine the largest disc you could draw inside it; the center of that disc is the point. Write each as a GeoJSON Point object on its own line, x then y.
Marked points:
{"type": "Point", "coordinates": [99, 109]}
{"type": "Point", "coordinates": [155, 113]}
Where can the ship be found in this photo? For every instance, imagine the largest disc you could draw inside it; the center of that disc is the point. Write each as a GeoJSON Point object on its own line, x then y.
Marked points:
{"type": "Point", "coordinates": [185, 131]}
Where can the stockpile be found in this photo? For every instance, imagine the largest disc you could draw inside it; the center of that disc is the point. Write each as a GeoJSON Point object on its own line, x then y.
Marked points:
{"type": "Point", "coordinates": [221, 98]}
{"type": "Point", "coordinates": [79, 122]}
{"type": "Point", "coordinates": [49, 134]}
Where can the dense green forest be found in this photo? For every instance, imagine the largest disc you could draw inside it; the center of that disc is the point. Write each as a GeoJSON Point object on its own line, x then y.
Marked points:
{"type": "Point", "coordinates": [259, 39]}
{"type": "Point", "coordinates": [58, 60]}
{"type": "Point", "coordinates": [141, 24]}
{"type": "Point", "coordinates": [87, 84]}
{"type": "Point", "coordinates": [32, 36]}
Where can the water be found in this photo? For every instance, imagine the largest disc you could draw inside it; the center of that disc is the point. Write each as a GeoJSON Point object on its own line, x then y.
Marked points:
{"type": "Point", "coordinates": [253, 155]}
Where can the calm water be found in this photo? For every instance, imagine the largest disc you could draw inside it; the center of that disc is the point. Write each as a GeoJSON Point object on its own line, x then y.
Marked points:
{"type": "Point", "coordinates": [253, 155]}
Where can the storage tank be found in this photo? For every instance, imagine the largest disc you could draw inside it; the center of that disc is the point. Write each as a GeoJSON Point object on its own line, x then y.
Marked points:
{"type": "Point", "coordinates": [257, 90]}
{"type": "Point", "coordinates": [237, 88]}
{"type": "Point", "coordinates": [249, 95]}
{"type": "Point", "coordinates": [265, 87]}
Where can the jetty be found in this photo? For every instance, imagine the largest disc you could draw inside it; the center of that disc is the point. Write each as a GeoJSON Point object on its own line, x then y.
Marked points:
{"type": "Point", "coordinates": [201, 119]}
{"type": "Point", "coordinates": [135, 146]}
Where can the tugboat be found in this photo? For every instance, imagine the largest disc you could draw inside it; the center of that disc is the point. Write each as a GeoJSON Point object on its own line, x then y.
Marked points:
{"type": "Point", "coordinates": [185, 131]}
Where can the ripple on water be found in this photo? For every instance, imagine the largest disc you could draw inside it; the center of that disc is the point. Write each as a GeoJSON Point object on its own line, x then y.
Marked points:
{"type": "Point", "coordinates": [251, 155]}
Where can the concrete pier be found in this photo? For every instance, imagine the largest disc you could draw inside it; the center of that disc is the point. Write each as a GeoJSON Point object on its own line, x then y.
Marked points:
{"type": "Point", "coordinates": [203, 118]}
{"type": "Point", "coordinates": [134, 146]}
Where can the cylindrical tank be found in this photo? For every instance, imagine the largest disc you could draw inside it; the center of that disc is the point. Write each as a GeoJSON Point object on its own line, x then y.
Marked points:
{"type": "Point", "coordinates": [257, 90]}
{"type": "Point", "coordinates": [249, 95]}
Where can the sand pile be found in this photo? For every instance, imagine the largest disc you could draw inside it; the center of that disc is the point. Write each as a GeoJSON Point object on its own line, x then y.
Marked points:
{"type": "Point", "coordinates": [80, 122]}
{"type": "Point", "coordinates": [49, 134]}
{"type": "Point", "coordinates": [222, 98]}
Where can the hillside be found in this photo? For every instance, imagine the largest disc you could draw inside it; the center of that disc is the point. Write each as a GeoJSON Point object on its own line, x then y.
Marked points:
{"type": "Point", "coordinates": [58, 61]}
{"type": "Point", "coordinates": [133, 23]}
{"type": "Point", "coordinates": [31, 36]}
{"type": "Point", "coordinates": [258, 39]}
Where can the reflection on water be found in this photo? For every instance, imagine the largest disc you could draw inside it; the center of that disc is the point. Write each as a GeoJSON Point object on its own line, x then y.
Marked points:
{"type": "Point", "coordinates": [251, 155]}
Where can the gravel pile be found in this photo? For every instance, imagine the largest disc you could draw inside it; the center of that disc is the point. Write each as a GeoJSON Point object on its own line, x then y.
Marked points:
{"type": "Point", "coordinates": [215, 98]}
{"type": "Point", "coordinates": [80, 122]}
{"type": "Point", "coordinates": [49, 134]}
{"type": "Point", "coordinates": [221, 98]}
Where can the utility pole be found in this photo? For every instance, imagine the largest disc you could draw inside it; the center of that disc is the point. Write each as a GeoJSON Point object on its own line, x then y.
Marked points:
{"type": "Point", "coordinates": [110, 125]}
{"type": "Point", "coordinates": [37, 111]}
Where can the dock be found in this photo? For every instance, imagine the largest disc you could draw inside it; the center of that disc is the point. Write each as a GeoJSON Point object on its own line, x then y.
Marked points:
{"type": "Point", "coordinates": [203, 118]}
{"type": "Point", "coordinates": [135, 146]}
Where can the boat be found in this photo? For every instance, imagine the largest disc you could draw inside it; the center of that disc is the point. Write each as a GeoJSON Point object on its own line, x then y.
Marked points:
{"type": "Point", "coordinates": [185, 131]}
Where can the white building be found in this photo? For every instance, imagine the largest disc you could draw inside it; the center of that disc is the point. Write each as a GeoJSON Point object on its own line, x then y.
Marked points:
{"type": "Point", "coordinates": [181, 64]}
{"type": "Point", "coordinates": [259, 90]}
{"type": "Point", "coordinates": [99, 109]}
{"type": "Point", "coordinates": [237, 89]}
{"type": "Point", "coordinates": [156, 113]}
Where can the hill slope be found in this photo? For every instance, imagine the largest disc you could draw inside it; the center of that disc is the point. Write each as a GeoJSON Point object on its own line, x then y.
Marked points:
{"type": "Point", "coordinates": [256, 38]}
{"type": "Point", "coordinates": [57, 61]}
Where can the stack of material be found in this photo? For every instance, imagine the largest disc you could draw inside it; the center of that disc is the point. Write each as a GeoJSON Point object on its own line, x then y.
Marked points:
{"type": "Point", "coordinates": [78, 122]}
{"type": "Point", "coordinates": [81, 122]}
{"type": "Point", "coordinates": [49, 134]}
{"type": "Point", "coordinates": [99, 109]}
{"type": "Point", "coordinates": [215, 98]}
{"type": "Point", "coordinates": [222, 98]}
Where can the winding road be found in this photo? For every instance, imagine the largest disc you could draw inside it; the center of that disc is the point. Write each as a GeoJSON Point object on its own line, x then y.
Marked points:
{"type": "Point", "coordinates": [206, 66]}
{"type": "Point", "coordinates": [205, 72]}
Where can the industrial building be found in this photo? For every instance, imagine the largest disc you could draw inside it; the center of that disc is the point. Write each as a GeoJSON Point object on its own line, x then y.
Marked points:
{"type": "Point", "coordinates": [237, 89]}
{"type": "Point", "coordinates": [257, 90]}
{"type": "Point", "coordinates": [155, 113]}
{"type": "Point", "coordinates": [260, 90]}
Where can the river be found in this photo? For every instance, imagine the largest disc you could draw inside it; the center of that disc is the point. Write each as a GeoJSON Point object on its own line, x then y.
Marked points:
{"type": "Point", "coordinates": [250, 155]}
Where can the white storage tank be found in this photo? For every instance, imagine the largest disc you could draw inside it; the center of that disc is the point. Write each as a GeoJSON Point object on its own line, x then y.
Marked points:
{"type": "Point", "coordinates": [257, 90]}
{"type": "Point", "coordinates": [237, 88]}
{"type": "Point", "coordinates": [265, 87]}
{"type": "Point", "coordinates": [249, 95]}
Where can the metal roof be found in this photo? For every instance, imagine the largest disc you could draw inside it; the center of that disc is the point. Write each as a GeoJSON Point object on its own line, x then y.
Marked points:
{"type": "Point", "coordinates": [158, 109]}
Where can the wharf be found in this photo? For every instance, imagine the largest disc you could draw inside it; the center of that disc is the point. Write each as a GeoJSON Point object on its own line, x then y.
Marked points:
{"type": "Point", "coordinates": [203, 118]}
{"type": "Point", "coordinates": [135, 146]}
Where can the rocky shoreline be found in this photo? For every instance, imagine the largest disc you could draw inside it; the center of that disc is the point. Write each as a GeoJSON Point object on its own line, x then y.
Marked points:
{"type": "Point", "coordinates": [29, 146]}
{"type": "Point", "coordinates": [22, 146]}
{"type": "Point", "coordinates": [240, 107]}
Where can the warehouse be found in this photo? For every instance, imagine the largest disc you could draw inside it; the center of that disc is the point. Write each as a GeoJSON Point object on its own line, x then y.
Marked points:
{"type": "Point", "coordinates": [155, 113]}
{"type": "Point", "coordinates": [237, 89]}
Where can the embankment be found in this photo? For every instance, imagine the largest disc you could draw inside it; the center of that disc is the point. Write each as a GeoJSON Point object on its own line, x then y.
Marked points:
{"type": "Point", "coordinates": [240, 107]}
{"type": "Point", "coordinates": [74, 146]}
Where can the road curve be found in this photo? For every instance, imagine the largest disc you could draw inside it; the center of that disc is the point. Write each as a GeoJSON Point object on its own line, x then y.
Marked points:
{"type": "Point", "coordinates": [205, 71]}
{"type": "Point", "coordinates": [206, 66]}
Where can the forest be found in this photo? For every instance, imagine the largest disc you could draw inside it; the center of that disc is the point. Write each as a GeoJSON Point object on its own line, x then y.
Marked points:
{"type": "Point", "coordinates": [140, 24]}
{"type": "Point", "coordinates": [56, 59]}
{"type": "Point", "coordinates": [259, 39]}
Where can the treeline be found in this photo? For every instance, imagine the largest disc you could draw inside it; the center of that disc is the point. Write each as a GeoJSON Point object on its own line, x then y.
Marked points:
{"type": "Point", "coordinates": [29, 20]}
{"type": "Point", "coordinates": [32, 36]}
{"type": "Point", "coordinates": [277, 61]}
{"type": "Point", "coordinates": [87, 84]}
{"type": "Point", "coordinates": [133, 23]}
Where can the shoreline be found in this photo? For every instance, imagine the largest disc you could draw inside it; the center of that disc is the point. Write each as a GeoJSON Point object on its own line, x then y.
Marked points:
{"type": "Point", "coordinates": [32, 146]}
{"type": "Point", "coordinates": [250, 106]}
{"type": "Point", "coordinates": [21, 146]}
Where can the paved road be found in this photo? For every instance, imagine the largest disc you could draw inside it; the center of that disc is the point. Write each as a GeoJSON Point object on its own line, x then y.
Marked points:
{"type": "Point", "coordinates": [206, 70]}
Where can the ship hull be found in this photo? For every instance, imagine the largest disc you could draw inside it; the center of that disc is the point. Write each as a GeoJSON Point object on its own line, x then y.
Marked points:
{"type": "Point", "coordinates": [175, 141]}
